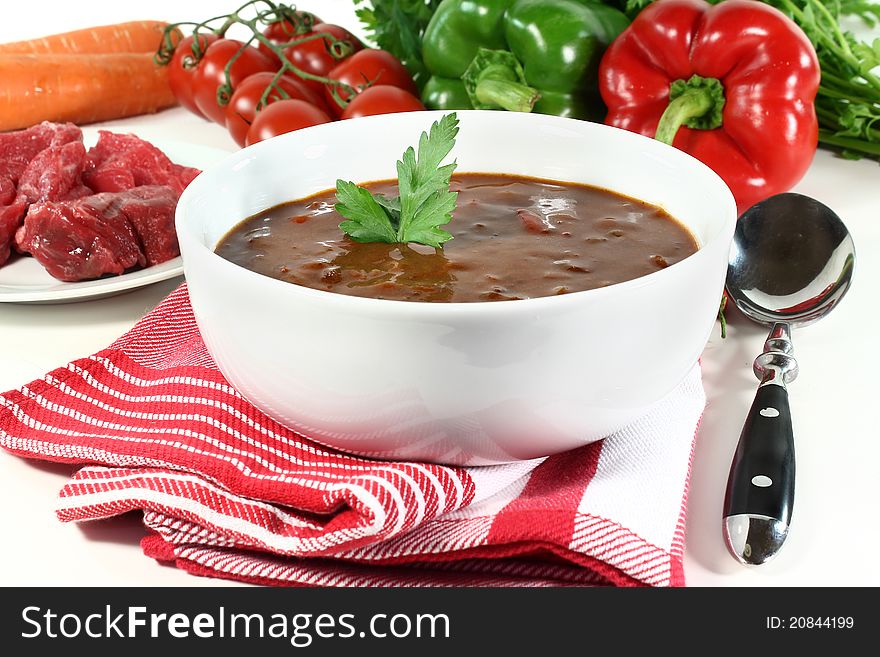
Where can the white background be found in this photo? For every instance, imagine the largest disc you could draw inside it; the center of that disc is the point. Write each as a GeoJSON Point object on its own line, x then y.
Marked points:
{"type": "Point", "coordinates": [834, 537]}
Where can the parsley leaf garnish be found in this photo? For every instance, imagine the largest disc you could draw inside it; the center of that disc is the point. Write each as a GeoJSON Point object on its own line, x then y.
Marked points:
{"type": "Point", "coordinates": [425, 202]}
{"type": "Point", "coordinates": [367, 221]}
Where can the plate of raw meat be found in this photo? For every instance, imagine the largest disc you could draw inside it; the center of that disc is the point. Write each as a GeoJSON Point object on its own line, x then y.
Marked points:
{"type": "Point", "coordinates": [89, 213]}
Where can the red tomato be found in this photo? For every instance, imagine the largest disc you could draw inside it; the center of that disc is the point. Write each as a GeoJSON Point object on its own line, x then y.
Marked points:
{"type": "Point", "coordinates": [315, 57]}
{"type": "Point", "coordinates": [284, 32]}
{"type": "Point", "coordinates": [242, 109]}
{"type": "Point", "coordinates": [182, 69]}
{"type": "Point", "coordinates": [381, 99]}
{"type": "Point", "coordinates": [210, 74]}
{"type": "Point", "coordinates": [379, 67]}
{"type": "Point", "coordinates": [284, 116]}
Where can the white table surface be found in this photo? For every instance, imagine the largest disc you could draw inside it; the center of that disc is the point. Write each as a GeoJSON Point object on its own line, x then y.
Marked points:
{"type": "Point", "coordinates": [835, 531]}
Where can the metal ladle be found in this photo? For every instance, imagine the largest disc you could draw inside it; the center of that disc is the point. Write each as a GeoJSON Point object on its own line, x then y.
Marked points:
{"type": "Point", "coordinates": [791, 263]}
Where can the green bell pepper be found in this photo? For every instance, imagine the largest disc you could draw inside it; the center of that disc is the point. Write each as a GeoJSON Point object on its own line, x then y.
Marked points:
{"type": "Point", "coordinates": [521, 55]}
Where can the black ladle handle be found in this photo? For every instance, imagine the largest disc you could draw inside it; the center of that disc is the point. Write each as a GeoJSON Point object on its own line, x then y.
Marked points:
{"type": "Point", "coordinates": [760, 486]}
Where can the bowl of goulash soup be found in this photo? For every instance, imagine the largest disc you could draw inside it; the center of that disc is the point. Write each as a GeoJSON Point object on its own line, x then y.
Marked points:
{"type": "Point", "coordinates": [575, 285]}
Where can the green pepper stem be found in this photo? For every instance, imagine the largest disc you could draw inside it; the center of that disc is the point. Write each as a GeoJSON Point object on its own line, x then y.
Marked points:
{"type": "Point", "coordinates": [495, 78]}
{"type": "Point", "coordinates": [512, 96]}
{"type": "Point", "coordinates": [696, 103]}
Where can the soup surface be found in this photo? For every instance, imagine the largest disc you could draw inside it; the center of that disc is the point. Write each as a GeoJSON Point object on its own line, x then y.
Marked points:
{"type": "Point", "coordinates": [515, 238]}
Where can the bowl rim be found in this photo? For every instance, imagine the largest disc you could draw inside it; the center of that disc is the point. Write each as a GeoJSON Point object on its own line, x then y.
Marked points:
{"type": "Point", "coordinates": [533, 304]}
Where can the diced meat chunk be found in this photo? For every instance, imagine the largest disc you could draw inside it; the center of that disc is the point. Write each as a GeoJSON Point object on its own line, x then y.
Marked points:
{"type": "Point", "coordinates": [18, 152]}
{"type": "Point", "coordinates": [106, 233]}
{"type": "Point", "coordinates": [7, 191]}
{"type": "Point", "coordinates": [119, 162]}
{"type": "Point", "coordinates": [78, 191]}
{"type": "Point", "coordinates": [10, 220]}
{"type": "Point", "coordinates": [18, 148]}
{"type": "Point", "coordinates": [185, 175]}
{"type": "Point", "coordinates": [150, 209]}
{"type": "Point", "coordinates": [75, 242]}
{"type": "Point", "coordinates": [52, 174]}
{"type": "Point", "coordinates": [49, 208]}
{"type": "Point", "coordinates": [533, 222]}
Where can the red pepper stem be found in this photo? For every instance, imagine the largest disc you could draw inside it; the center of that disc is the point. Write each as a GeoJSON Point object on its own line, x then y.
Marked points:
{"type": "Point", "coordinates": [691, 104]}
{"type": "Point", "coordinates": [512, 96]}
{"type": "Point", "coordinates": [697, 103]}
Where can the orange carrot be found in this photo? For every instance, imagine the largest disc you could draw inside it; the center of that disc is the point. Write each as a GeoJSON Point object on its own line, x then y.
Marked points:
{"type": "Point", "coordinates": [135, 36]}
{"type": "Point", "coordinates": [80, 88]}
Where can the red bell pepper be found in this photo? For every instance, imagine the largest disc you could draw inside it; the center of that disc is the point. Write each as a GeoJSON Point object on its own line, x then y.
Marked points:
{"type": "Point", "coordinates": [731, 84]}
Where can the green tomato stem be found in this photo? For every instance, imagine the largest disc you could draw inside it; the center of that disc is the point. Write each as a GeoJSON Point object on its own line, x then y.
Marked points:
{"type": "Point", "coordinates": [272, 14]}
{"type": "Point", "coordinates": [272, 86]}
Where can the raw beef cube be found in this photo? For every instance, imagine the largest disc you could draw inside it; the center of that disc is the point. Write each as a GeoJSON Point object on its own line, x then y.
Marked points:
{"type": "Point", "coordinates": [75, 242]}
{"type": "Point", "coordinates": [10, 220]}
{"type": "Point", "coordinates": [150, 209]}
{"type": "Point", "coordinates": [106, 233]}
{"type": "Point", "coordinates": [17, 152]}
{"type": "Point", "coordinates": [119, 162]}
{"type": "Point", "coordinates": [18, 148]}
{"type": "Point", "coordinates": [78, 191]}
{"type": "Point", "coordinates": [7, 191]}
{"type": "Point", "coordinates": [52, 174]}
{"type": "Point", "coordinates": [185, 174]}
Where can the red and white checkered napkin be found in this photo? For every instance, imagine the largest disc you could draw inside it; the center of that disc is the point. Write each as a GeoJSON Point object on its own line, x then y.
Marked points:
{"type": "Point", "coordinates": [228, 492]}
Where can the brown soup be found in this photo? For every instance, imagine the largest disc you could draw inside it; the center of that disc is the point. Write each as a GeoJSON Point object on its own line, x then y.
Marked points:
{"type": "Point", "coordinates": [515, 238]}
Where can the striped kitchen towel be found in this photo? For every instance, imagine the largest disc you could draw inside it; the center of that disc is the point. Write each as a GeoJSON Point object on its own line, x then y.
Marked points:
{"type": "Point", "coordinates": [227, 492]}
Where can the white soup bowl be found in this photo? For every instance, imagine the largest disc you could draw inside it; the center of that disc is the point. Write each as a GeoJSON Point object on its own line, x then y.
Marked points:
{"type": "Point", "coordinates": [462, 383]}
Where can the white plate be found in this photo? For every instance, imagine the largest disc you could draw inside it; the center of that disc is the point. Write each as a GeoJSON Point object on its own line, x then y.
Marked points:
{"type": "Point", "coordinates": [24, 280]}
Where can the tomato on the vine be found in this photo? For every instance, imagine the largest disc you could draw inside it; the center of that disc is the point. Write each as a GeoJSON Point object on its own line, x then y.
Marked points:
{"type": "Point", "coordinates": [381, 99]}
{"type": "Point", "coordinates": [284, 116]}
{"type": "Point", "coordinates": [315, 56]}
{"type": "Point", "coordinates": [182, 69]}
{"type": "Point", "coordinates": [285, 31]}
{"type": "Point", "coordinates": [210, 75]}
{"type": "Point", "coordinates": [242, 108]}
{"type": "Point", "coordinates": [368, 67]}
